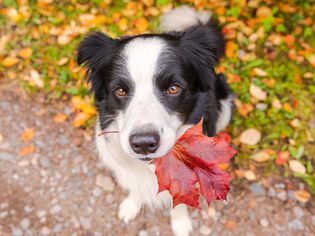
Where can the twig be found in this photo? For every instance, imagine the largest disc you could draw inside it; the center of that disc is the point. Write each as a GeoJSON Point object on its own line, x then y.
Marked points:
{"type": "Point", "coordinates": [107, 132]}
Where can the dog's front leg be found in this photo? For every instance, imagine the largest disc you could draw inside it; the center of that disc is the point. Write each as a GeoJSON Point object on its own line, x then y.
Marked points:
{"type": "Point", "coordinates": [129, 208]}
{"type": "Point", "coordinates": [180, 221]}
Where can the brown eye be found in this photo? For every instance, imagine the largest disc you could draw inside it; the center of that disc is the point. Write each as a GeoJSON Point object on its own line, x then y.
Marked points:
{"type": "Point", "coordinates": [120, 92]}
{"type": "Point", "coordinates": [173, 89]}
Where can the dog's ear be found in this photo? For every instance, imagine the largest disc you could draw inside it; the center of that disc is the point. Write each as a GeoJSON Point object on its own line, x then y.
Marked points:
{"type": "Point", "coordinates": [202, 46]}
{"type": "Point", "coordinates": [95, 53]}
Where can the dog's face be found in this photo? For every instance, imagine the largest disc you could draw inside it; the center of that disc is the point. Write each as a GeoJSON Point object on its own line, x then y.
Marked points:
{"type": "Point", "coordinates": [150, 86]}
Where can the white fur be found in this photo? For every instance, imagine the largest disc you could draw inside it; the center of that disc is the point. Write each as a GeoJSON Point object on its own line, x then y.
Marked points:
{"type": "Point", "coordinates": [144, 109]}
{"type": "Point", "coordinates": [225, 113]}
{"type": "Point", "coordinates": [182, 18]}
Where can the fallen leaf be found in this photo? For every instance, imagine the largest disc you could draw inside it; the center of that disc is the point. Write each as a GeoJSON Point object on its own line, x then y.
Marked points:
{"type": "Point", "coordinates": [282, 157]}
{"type": "Point", "coordinates": [263, 12]}
{"type": "Point", "coordinates": [9, 61]}
{"type": "Point", "coordinates": [26, 52]}
{"type": "Point", "coordinates": [276, 103]}
{"type": "Point", "coordinates": [60, 118]}
{"type": "Point", "coordinates": [229, 49]}
{"type": "Point", "coordinates": [26, 151]}
{"type": "Point", "coordinates": [27, 135]}
{"type": "Point", "coordinates": [297, 167]}
{"type": "Point", "coordinates": [249, 175]}
{"type": "Point", "coordinates": [257, 92]}
{"type": "Point", "coordinates": [64, 39]}
{"type": "Point", "coordinates": [230, 225]}
{"type": "Point", "coordinates": [194, 159]}
{"type": "Point", "coordinates": [63, 61]}
{"type": "Point", "coordinates": [141, 24]}
{"type": "Point", "coordinates": [80, 119]}
{"type": "Point", "coordinates": [36, 78]}
{"type": "Point", "coordinates": [83, 105]}
{"type": "Point", "coordinates": [1, 138]}
{"type": "Point", "coordinates": [295, 123]}
{"type": "Point", "coordinates": [259, 72]}
{"type": "Point", "coordinates": [302, 196]}
{"type": "Point", "coordinates": [250, 136]}
{"type": "Point", "coordinates": [261, 156]}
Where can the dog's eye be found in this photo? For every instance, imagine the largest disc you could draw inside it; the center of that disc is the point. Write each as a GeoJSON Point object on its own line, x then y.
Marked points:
{"type": "Point", "coordinates": [120, 92]}
{"type": "Point", "coordinates": [173, 89]}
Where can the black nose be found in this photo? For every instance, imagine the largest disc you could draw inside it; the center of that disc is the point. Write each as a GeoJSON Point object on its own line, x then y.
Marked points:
{"type": "Point", "coordinates": [144, 143]}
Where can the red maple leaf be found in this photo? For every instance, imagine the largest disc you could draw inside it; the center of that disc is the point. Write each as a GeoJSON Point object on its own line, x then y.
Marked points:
{"type": "Point", "coordinates": [193, 159]}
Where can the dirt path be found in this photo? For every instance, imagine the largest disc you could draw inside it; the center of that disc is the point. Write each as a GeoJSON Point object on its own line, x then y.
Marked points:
{"type": "Point", "coordinates": [62, 188]}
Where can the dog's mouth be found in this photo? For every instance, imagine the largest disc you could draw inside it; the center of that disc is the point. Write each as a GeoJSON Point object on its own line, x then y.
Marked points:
{"type": "Point", "coordinates": [145, 159]}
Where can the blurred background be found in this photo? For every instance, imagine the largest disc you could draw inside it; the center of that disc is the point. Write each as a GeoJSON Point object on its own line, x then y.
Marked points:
{"type": "Point", "coordinates": [51, 180]}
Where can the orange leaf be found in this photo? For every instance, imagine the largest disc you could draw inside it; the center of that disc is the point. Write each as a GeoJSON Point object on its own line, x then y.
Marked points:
{"type": "Point", "coordinates": [26, 151]}
{"type": "Point", "coordinates": [27, 135]}
{"type": "Point", "coordinates": [9, 61]}
{"type": "Point", "coordinates": [60, 118]}
{"type": "Point", "coordinates": [80, 119]}
{"type": "Point", "coordinates": [229, 50]}
{"type": "Point", "coordinates": [289, 40]}
{"type": "Point", "coordinates": [26, 52]}
{"type": "Point", "coordinates": [141, 24]}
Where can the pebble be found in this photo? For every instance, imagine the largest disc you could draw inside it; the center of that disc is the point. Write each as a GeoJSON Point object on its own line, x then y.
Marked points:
{"type": "Point", "coordinates": [252, 215]}
{"type": "Point", "coordinates": [41, 213]}
{"type": "Point", "coordinates": [257, 189]}
{"type": "Point", "coordinates": [296, 224]}
{"type": "Point", "coordinates": [143, 233]}
{"type": "Point", "coordinates": [272, 192]}
{"type": "Point", "coordinates": [105, 183]}
{"type": "Point", "coordinates": [45, 231]}
{"type": "Point", "coordinates": [63, 140]}
{"type": "Point", "coordinates": [85, 222]}
{"type": "Point", "coordinates": [97, 192]}
{"type": "Point", "coordinates": [55, 209]}
{"type": "Point", "coordinates": [3, 214]}
{"type": "Point", "coordinates": [264, 222]}
{"type": "Point", "coordinates": [57, 228]}
{"type": "Point", "coordinates": [6, 156]}
{"type": "Point", "coordinates": [25, 223]}
{"type": "Point", "coordinates": [44, 162]}
{"type": "Point", "coordinates": [97, 233]}
{"type": "Point", "coordinates": [280, 185]}
{"type": "Point", "coordinates": [298, 211]}
{"type": "Point", "coordinates": [17, 232]}
{"type": "Point", "coordinates": [313, 220]}
{"type": "Point", "coordinates": [205, 230]}
{"type": "Point", "coordinates": [283, 196]}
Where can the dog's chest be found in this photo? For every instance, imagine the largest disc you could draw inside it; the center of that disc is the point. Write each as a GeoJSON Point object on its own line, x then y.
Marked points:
{"type": "Point", "coordinates": [133, 175]}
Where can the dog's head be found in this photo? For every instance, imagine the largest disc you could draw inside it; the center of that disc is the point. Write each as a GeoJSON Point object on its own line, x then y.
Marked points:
{"type": "Point", "coordinates": [150, 86]}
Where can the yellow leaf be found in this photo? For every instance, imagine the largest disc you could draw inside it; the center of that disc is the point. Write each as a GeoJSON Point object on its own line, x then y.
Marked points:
{"type": "Point", "coordinates": [9, 61]}
{"type": "Point", "coordinates": [60, 118]}
{"type": "Point", "coordinates": [26, 52]}
{"type": "Point", "coordinates": [250, 175]}
{"type": "Point", "coordinates": [80, 119]}
{"type": "Point", "coordinates": [26, 151]}
{"type": "Point", "coordinates": [263, 12]}
{"type": "Point", "coordinates": [27, 135]}
{"type": "Point", "coordinates": [83, 105]}
{"type": "Point", "coordinates": [123, 24]}
{"type": "Point", "coordinates": [1, 138]}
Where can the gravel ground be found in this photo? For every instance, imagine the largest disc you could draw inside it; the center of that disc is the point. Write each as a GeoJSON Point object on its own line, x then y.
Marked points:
{"type": "Point", "coordinates": [62, 188]}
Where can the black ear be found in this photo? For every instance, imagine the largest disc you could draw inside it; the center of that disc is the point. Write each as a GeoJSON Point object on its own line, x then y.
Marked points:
{"type": "Point", "coordinates": [202, 47]}
{"type": "Point", "coordinates": [95, 52]}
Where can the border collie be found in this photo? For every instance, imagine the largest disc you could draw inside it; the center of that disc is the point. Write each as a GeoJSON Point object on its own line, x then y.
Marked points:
{"type": "Point", "coordinates": [151, 88]}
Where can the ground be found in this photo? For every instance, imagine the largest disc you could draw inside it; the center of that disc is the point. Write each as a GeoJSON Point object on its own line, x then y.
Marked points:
{"type": "Point", "coordinates": [61, 187]}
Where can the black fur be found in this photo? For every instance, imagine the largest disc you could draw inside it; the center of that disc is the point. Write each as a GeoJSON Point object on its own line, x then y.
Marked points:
{"type": "Point", "coordinates": [189, 61]}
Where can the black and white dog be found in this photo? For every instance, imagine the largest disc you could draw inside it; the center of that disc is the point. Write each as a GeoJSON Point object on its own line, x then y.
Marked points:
{"type": "Point", "coordinates": [151, 88]}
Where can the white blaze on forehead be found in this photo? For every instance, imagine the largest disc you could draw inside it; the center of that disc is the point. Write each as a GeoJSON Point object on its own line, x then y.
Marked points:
{"type": "Point", "coordinates": [142, 56]}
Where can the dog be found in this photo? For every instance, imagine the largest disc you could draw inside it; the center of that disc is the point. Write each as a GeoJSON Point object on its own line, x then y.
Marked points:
{"type": "Point", "coordinates": [151, 88]}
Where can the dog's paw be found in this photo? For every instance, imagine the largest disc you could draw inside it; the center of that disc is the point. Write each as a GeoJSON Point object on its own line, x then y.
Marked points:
{"type": "Point", "coordinates": [128, 209]}
{"type": "Point", "coordinates": [181, 226]}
